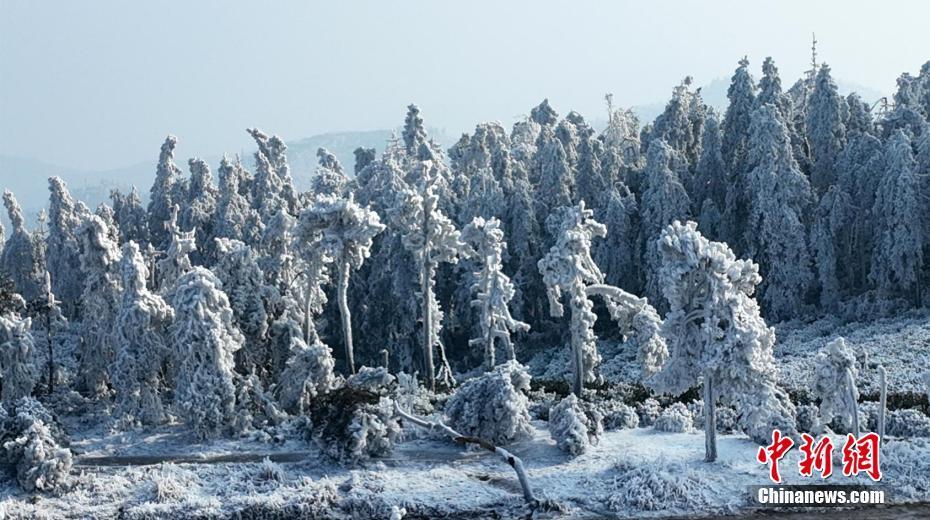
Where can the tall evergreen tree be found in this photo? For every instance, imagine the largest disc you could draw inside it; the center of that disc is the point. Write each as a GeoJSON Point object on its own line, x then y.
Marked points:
{"type": "Point", "coordinates": [162, 195]}
{"type": "Point", "coordinates": [826, 131]}
{"type": "Point", "coordinates": [19, 259]}
{"type": "Point", "coordinates": [734, 147]}
{"type": "Point", "coordinates": [63, 251]}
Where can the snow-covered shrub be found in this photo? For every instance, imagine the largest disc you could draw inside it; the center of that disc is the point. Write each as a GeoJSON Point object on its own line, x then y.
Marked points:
{"type": "Point", "coordinates": [620, 416]}
{"type": "Point", "coordinates": [908, 423]}
{"type": "Point", "coordinates": [727, 420]}
{"type": "Point", "coordinates": [255, 409]}
{"type": "Point", "coordinates": [645, 486]}
{"type": "Point", "coordinates": [269, 471]}
{"type": "Point", "coordinates": [540, 403]}
{"type": "Point", "coordinates": [371, 379]}
{"type": "Point", "coordinates": [676, 418]}
{"type": "Point", "coordinates": [807, 417]}
{"type": "Point", "coordinates": [868, 416]}
{"type": "Point", "coordinates": [18, 374]}
{"type": "Point", "coordinates": [574, 425]}
{"type": "Point", "coordinates": [412, 396]}
{"type": "Point", "coordinates": [309, 373]}
{"type": "Point", "coordinates": [30, 440]}
{"type": "Point", "coordinates": [648, 412]}
{"type": "Point", "coordinates": [493, 406]}
{"type": "Point", "coordinates": [696, 408]}
{"type": "Point", "coordinates": [352, 425]}
{"type": "Point", "coordinates": [835, 382]}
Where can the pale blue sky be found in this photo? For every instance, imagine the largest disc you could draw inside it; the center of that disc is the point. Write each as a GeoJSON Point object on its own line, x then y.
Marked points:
{"type": "Point", "coordinates": [97, 84]}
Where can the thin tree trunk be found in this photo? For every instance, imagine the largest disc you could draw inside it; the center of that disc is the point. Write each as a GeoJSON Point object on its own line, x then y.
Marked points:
{"type": "Point", "coordinates": [51, 357]}
{"type": "Point", "coordinates": [342, 291]}
{"type": "Point", "coordinates": [710, 420]}
{"type": "Point", "coordinates": [307, 319]}
{"type": "Point", "coordinates": [882, 401]}
{"type": "Point", "coordinates": [385, 359]}
{"type": "Point", "coordinates": [515, 462]}
{"type": "Point", "coordinates": [853, 404]}
{"type": "Point", "coordinates": [578, 356]}
{"type": "Point", "coordinates": [426, 288]}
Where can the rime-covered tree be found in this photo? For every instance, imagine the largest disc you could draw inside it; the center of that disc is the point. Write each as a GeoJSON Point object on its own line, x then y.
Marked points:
{"type": "Point", "coordinates": [433, 239]}
{"type": "Point", "coordinates": [100, 259]}
{"type": "Point", "coordinates": [176, 261]}
{"type": "Point", "coordinates": [363, 157]}
{"type": "Point", "coordinates": [569, 269]}
{"type": "Point", "coordinates": [778, 195]}
{"type": "Point", "coordinates": [554, 189]}
{"type": "Point", "coordinates": [344, 231]}
{"type": "Point", "coordinates": [329, 179]}
{"type": "Point", "coordinates": [63, 252]}
{"type": "Point", "coordinates": [18, 374]}
{"type": "Point", "coordinates": [834, 384]}
{"type": "Point", "coordinates": [307, 375]}
{"type": "Point", "coordinates": [716, 336]}
{"type": "Point", "coordinates": [162, 195]}
{"type": "Point", "coordinates": [492, 290]}
{"type": "Point", "coordinates": [19, 259]}
{"type": "Point", "coordinates": [252, 301]}
{"type": "Point", "coordinates": [234, 219]}
{"type": "Point", "coordinates": [832, 237]}
{"type": "Point", "coordinates": [664, 201]}
{"type": "Point", "coordinates": [272, 187]}
{"type": "Point", "coordinates": [617, 253]}
{"type": "Point", "coordinates": [198, 214]}
{"type": "Point", "coordinates": [140, 333]}
{"type": "Point", "coordinates": [131, 218]}
{"type": "Point", "coordinates": [826, 133]}
{"type": "Point", "coordinates": [710, 173]}
{"type": "Point", "coordinates": [860, 169]}
{"type": "Point", "coordinates": [734, 147]}
{"type": "Point", "coordinates": [897, 258]}
{"type": "Point", "coordinates": [206, 338]}
{"type": "Point", "coordinates": [681, 124]}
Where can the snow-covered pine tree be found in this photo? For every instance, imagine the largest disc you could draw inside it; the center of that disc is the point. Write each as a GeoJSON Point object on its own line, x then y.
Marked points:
{"type": "Point", "coordinates": [253, 302]}
{"type": "Point", "coordinates": [273, 176]}
{"type": "Point", "coordinates": [734, 147]}
{"type": "Point", "coordinates": [176, 261]}
{"type": "Point", "coordinates": [897, 259]}
{"type": "Point", "coordinates": [131, 218]}
{"type": "Point", "coordinates": [556, 181]}
{"type": "Point", "coordinates": [140, 333]}
{"type": "Point", "coordinates": [664, 201]}
{"type": "Point", "coordinates": [329, 179]}
{"type": "Point", "coordinates": [18, 259]}
{"type": "Point", "coordinates": [433, 239]}
{"type": "Point", "coordinates": [860, 169]}
{"type": "Point", "coordinates": [63, 251]}
{"type": "Point", "coordinates": [710, 173]}
{"type": "Point", "coordinates": [18, 374]}
{"type": "Point", "coordinates": [235, 219]}
{"type": "Point", "coordinates": [198, 213]}
{"type": "Point", "coordinates": [826, 133]}
{"type": "Point", "coordinates": [617, 252]}
{"type": "Point", "coordinates": [493, 290]}
{"type": "Point", "coordinates": [308, 374]}
{"type": "Point", "coordinates": [681, 124]}
{"type": "Point", "coordinates": [100, 259]}
{"type": "Point", "coordinates": [162, 195]}
{"type": "Point", "coordinates": [206, 338]}
{"type": "Point", "coordinates": [716, 335]}
{"type": "Point", "coordinates": [832, 236]}
{"type": "Point", "coordinates": [778, 195]}
{"type": "Point", "coordinates": [835, 384]}
{"type": "Point", "coordinates": [343, 231]}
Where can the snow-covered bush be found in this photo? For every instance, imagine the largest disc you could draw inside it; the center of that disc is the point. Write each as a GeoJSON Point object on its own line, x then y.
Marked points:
{"type": "Point", "coordinates": [574, 425]}
{"type": "Point", "coordinates": [493, 406]}
{"type": "Point", "coordinates": [644, 486]}
{"type": "Point", "coordinates": [807, 417]}
{"type": "Point", "coordinates": [648, 412]}
{"type": "Point", "coordinates": [620, 416]}
{"type": "Point", "coordinates": [908, 423]}
{"type": "Point", "coordinates": [371, 379]}
{"type": "Point", "coordinates": [30, 440]}
{"type": "Point", "coordinates": [352, 424]}
{"type": "Point", "coordinates": [411, 396]}
{"type": "Point", "coordinates": [206, 338]}
{"type": "Point", "coordinates": [727, 420]}
{"type": "Point", "coordinates": [18, 374]}
{"type": "Point", "coordinates": [676, 418]}
{"type": "Point", "coordinates": [309, 373]}
{"type": "Point", "coordinates": [835, 383]}
{"type": "Point", "coordinates": [256, 411]}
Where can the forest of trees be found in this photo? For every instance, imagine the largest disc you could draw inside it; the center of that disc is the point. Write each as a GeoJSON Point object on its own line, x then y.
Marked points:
{"type": "Point", "coordinates": [441, 261]}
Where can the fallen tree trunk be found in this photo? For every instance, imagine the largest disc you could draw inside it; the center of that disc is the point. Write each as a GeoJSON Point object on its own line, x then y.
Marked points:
{"type": "Point", "coordinates": [515, 462]}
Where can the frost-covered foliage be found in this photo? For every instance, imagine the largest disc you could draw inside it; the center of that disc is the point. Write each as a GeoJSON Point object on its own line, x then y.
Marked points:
{"type": "Point", "coordinates": [329, 179]}
{"type": "Point", "coordinates": [641, 486]}
{"type": "Point", "coordinates": [433, 239]}
{"type": "Point", "coordinates": [252, 300]}
{"type": "Point", "coordinates": [100, 259]}
{"type": "Point", "coordinates": [835, 382]}
{"type": "Point", "coordinates": [493, 406]}
{"type": "Point", "coordinates": [140, 332]}
{"type": "Point", "coordinates": [352, 424]}
{"type": "Point", "coordinates": [715, 332]}
{"type": "Point", "coordinates": [493, 290]}
{"type": "Point", "coordinates": [807, 418]}
{"type": "Point", "coordinates": [130, 216]}
{"type": "Point", "coordinates": [569, 268]}
{"type": "Point", "coordinates": [342, 231]}
{"type": "Point", "coordinates": [206, 338]}
{"type": "Point", "coordinates": [63, 252]}
{"type": "Point", "coordinates": [176, 261]}
{"type": "Point", "coordinates": [19, 258]}
{"type": "Point", "coordinates": [198, 213]}
{"type": "Point", "coordinates": [164, 194]}
{"type": "Point", "coordinates": [648, 411]}
{"type": "Point", "coordinates": [18, 374]}
{"type": "Point", "coordinates": [826, 133]}
{"type": "Point", "coordinates": [620, 416]}
{"type": "Point", "coordinates": [908, 423]}
{"type": "Point", "coordinates": [31, 442]}
{"type": "Point", "coordinates": [676, 418]}
{"type": "Point", "coordinates": [574, 425]}
{"type": "Point", "coordinates": [308, 374]}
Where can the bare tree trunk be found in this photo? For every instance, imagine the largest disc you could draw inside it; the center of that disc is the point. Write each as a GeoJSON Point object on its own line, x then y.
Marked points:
{"type": "Point", "coordinates": [515, 462]}
{"type": "Point", "coordinates": [489, 341]}
{"type": "Point", "coordinates": [578, 357]}
{"type": "Point", "coordinates": [309, 333]}
{"type": "Point", "coordinates": [51, 357]}
{"type": "Point", "coordinates": [342, 290]}
{"type": "Point", "coordinates": [882, 401]}
{"type": "Point", "coordinates": [853, 404]}
{"type": "Point", "coordinates": [385, 359]}
{"type": "Point", "coordinates": [710, 420]}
